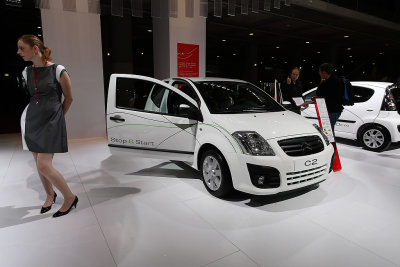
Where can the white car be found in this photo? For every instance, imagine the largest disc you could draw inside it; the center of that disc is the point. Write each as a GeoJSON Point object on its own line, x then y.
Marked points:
{"type": "Point", "coordinates": [373, 120]}
{"type": "Point", "coordinates": [230, 130]}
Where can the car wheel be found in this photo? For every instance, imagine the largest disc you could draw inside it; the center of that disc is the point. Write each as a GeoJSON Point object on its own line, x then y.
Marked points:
{"type": "Point", "coordinates": [375, 138]}
{"type": "Point", "coordinates": [215, 174]}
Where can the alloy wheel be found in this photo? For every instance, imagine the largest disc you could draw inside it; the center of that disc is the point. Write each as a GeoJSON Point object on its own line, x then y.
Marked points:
{"type": "Point", "coordinates": [212, 173]}
{"type": "Point", "coordinates": [373, 138]}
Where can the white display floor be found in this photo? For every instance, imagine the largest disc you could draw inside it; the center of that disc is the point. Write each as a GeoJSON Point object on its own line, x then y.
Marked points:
{"type": "Point", "coordinates": [146, 212]}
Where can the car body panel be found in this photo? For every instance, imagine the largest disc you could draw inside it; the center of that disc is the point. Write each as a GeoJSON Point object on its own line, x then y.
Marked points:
{"type": "Point", "coordinates": [158, 135]}
{"type": "Point", "coordinates": [362, 113]}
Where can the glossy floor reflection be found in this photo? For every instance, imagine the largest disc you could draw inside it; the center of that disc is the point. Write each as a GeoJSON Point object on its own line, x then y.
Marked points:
{"type": "Point", "coordinates": [147, 212]}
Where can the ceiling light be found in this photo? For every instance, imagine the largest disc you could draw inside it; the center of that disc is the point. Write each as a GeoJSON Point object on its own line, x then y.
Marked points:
{"type": "Point", "coordinates": [218, 56]}
{"type": "Point", "coordinates": [39, 27]}
{"type": "Point", "coordinates": [307, 42]}
{"type": "Point", "coordinates": [380, 53]}
{"type": "Point", "coordinates": [277, 47]}
{"type": "Point", "coordinates": [6, 74]}
{"type": "Point", "coordinates": [108, 54]}
{"type": "Point", "coordinates": [348, 48]}
{"type": "Point", "coordinates": [39, 34]}
{"type": "Point", "coordinates": [149, 30]}
{"type": "Point", "coordinates": [251, 34]}
{"type": "Point", "coordinates": [346, 36]}
{"type": "Point", "coordinates": [272, 57]}
{"type": "Point", "coordinates": [318, 52]}
{"type": "Point", "coordinates": [234, 54]}
{"type": "Point", "coordinates": [350, 56]}
{"type": "Point", "coordinates": [255, 64]}
{"type": "Point", "coordinates": [223, 40]}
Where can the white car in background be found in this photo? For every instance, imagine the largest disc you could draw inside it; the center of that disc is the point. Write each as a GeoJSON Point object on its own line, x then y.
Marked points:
{"type": "Point", "coordinates": [373, 120]}
{"type": "Point", "coordinates": [232, 131]}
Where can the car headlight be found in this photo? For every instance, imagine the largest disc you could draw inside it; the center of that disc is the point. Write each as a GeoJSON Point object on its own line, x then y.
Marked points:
{"type": "Point", "coordinates": [253, 144]}
{"type": "Point", "coordinates": [322, 133]}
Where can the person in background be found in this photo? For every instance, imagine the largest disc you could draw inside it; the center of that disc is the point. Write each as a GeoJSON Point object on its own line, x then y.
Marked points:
{"type": "Point", "coordinates": [332, 89]}
{"type": "Point", "coordinates": [42, 123]}
{"type": "Point", "coordinates": [291, 88]}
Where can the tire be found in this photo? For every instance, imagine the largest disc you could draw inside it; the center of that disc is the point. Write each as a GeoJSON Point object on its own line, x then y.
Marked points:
{"type": "Point", "coordinates": [215, 174]}
{"type": "Point", "coordinates": [375, 138]}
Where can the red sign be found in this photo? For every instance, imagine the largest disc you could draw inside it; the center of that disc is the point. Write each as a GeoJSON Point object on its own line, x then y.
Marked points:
{"type": "Point", "coordinates": [188, 60]}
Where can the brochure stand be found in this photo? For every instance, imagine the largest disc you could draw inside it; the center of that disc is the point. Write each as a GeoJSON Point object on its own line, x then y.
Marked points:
{"type": "Point", "coordinates": [325, 124]}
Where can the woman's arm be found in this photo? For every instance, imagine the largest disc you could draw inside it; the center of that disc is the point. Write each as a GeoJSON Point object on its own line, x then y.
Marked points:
{"type": "Point", "coordinates": [67, 91]}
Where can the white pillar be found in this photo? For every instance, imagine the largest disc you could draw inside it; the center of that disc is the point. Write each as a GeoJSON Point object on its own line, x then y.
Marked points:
{"type": "Point", "coordinates": [169, 31]}
{"type": "Point", "coordinates": [75, 41]}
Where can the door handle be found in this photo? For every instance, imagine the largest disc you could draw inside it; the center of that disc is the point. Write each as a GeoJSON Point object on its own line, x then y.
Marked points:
{"type": "Point", "coordinates": [117, 119]}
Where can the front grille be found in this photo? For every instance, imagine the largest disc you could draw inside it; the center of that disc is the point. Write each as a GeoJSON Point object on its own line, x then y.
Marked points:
{"type": "Point", "coordinates": [302, 146]}
{"type": "Point", "coordinates": [294, 178]}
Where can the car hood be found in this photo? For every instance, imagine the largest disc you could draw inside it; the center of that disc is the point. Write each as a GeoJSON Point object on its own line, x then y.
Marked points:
{"type": "Point", "coordinates": [269, 125]}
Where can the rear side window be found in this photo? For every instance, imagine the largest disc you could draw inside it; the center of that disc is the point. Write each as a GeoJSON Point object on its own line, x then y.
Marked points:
{"type": "Point", "coordinates": [396, 95]}
{"type": "Point", "coordinates": [157, 95]}
{"type": "Point", "coordinates": [362, 94]}
{"type": "Point", "coordinates": [131, 93]}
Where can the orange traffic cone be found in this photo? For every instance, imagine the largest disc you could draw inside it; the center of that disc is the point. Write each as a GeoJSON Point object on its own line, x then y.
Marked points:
{"type": "Point", "coordinates": [336, 166]}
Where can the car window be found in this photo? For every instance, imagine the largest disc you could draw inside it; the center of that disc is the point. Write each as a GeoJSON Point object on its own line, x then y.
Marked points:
{"type": "Point", "coordinates": [132, 94]}
{"type": "Point", "coordinates": [187, 89]}
{"type": "Point", "coordinates": [236, 97]}
{"type": "Point", "coordinates": [310, 95]}
{"type": "Point", "coordinates": [157, 95]}
{"type": "Point", "coordinates": [177, 105]}
{"type": "Point", "coordinates": [396, 95]}
{"type": "Point", "coordinates": [362, 94]}
{"type": "Point", "coordinates": [148, 96]}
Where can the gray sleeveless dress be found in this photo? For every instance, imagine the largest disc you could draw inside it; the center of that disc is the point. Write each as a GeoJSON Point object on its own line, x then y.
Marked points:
{"type": "Point", "coordinates": [45, 130]}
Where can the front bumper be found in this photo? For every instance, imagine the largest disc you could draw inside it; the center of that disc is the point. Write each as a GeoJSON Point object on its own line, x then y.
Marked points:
{"type": "Point", "coordinates": [266, 175]}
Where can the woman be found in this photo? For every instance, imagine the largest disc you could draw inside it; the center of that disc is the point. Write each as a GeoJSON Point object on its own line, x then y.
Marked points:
{"type": "Point", "coordinates": [43, 124]}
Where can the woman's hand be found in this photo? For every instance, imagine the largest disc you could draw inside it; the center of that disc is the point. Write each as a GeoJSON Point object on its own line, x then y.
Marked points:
{"type": "Point", "coordinates": [66, 87]}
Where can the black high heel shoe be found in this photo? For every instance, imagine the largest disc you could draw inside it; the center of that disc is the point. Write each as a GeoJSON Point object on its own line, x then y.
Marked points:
{"type": "Point", "coordinates": [46, 209]}
{"type": "Point", "coordinates": [62, 213]}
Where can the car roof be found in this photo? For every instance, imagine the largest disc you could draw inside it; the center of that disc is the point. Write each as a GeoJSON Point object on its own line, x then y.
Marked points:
{"type": "Point", "coordinates": [211, 79]}
{"type": "Point", "coordinates": [374, 85]}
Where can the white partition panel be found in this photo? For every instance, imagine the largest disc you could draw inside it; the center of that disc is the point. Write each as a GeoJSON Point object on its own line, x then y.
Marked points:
{"type": "Point", "coordinates": [75, 40]}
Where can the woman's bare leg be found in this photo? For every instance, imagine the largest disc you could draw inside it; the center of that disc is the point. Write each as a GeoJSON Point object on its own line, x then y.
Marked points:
{"type": "Point", "coordinates": [45, 167]}
{"type": "Point", "coordinates": [48, 187]}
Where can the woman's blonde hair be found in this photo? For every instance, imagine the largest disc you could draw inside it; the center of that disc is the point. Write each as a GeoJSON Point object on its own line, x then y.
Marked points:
{"type": "Point", "coordinates": [33, 40]}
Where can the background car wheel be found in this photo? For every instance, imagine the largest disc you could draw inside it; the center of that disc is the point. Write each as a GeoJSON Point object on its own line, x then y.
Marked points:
{"type": "Point", "coordinates": [215, 174]}
{"type": "Point", "coordinates": [375, 138]}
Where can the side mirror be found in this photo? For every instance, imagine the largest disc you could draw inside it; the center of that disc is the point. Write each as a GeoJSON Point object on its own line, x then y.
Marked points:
{"type": "Point", "coordinates": [190, 112]}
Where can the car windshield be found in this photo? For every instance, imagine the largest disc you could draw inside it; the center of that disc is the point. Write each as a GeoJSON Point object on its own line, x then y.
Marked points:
{"type": "Point", "coordinates": [236, 97]}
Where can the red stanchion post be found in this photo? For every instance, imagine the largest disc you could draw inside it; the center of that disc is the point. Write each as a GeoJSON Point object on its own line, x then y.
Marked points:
{"type": "Point", "coordinates": [325, 124]}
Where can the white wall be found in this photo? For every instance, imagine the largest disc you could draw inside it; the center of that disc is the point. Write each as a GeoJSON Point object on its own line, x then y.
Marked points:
{"type": "Point", "coordinates": [188, 31]}
{"type": "Point", "coordinates": [75, 40]}
{"type": "Point", "coordinates": [168, 31]}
